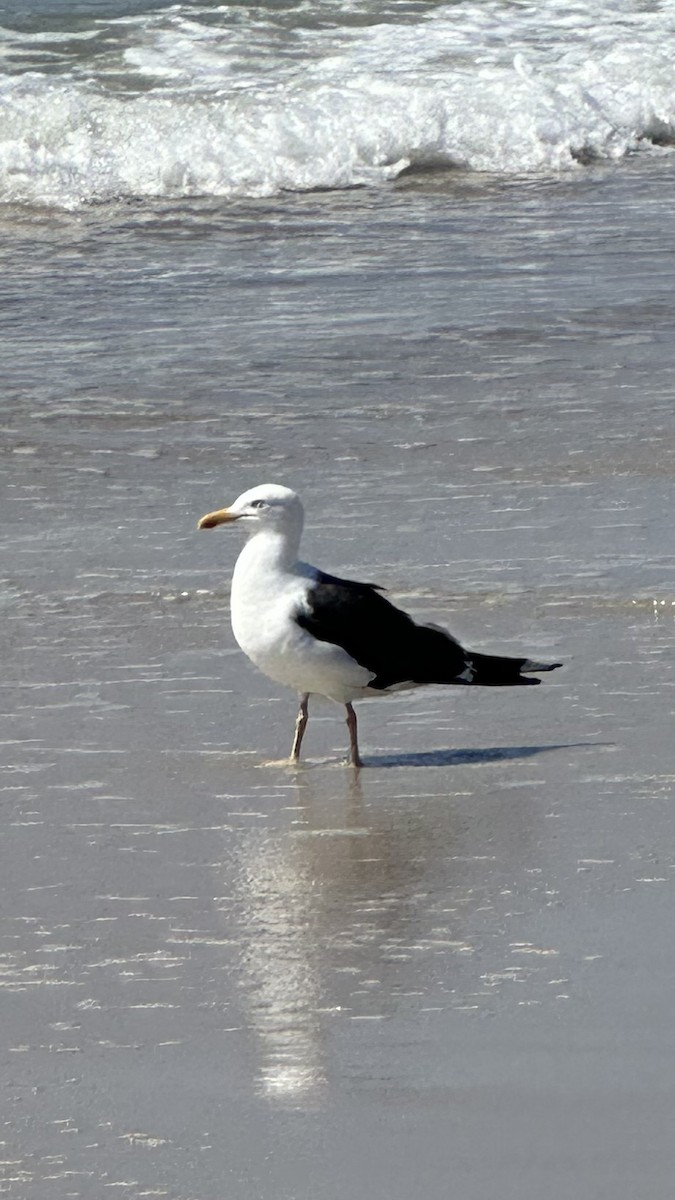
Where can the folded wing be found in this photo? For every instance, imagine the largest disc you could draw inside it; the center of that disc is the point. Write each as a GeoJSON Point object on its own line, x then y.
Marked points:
{"type": "Point", "coordinates": [386, 641]}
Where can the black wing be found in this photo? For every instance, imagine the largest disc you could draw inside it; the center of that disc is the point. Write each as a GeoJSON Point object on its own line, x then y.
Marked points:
{"type": "Point", "coordinates": [379, 636]}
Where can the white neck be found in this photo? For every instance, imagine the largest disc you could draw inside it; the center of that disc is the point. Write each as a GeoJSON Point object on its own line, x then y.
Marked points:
{"type": "Point", "coordinates": [269, 551]}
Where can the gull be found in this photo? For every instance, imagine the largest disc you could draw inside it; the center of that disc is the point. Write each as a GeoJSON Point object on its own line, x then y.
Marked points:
{"type": "Point", "coordinates": [333, 637]}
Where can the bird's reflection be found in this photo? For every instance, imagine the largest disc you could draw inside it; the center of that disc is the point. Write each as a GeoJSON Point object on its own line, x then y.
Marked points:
{"type": "Point", "coordinates": [305, 901]}
{"type": "Point", "coordinates": [351, 897]}
{"type": "Point", "coordinates": [281, 985]}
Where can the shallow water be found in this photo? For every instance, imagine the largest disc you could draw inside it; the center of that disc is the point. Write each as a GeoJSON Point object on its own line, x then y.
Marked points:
{"type": "Point", "coordinates": [221, 977]}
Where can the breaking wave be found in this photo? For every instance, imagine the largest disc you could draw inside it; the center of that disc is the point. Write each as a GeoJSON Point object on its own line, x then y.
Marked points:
{"type": "Point", "coordinates": [206, 104]}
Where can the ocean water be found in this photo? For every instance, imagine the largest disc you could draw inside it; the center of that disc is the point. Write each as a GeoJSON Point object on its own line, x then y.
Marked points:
{"type": "Point", "coordinates": [105, 102]}
{"type": "Point", "coordinates": [416, 260]}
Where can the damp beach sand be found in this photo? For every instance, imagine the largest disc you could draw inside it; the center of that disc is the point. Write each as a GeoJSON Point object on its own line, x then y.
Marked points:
{"type": "Point", "coordinates": [452, 975]}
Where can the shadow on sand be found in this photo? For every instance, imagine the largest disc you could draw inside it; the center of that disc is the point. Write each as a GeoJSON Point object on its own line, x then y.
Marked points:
{"type": "Point", "coordinates": [457, 758]}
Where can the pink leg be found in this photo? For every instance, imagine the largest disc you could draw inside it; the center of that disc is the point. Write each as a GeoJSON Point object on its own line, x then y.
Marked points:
{"type": "Point", "coordinates": [300, 726]}
{"type": "Point", "coordinates": [353, 740]}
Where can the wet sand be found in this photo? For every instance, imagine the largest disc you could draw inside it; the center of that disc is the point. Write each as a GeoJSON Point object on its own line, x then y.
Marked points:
{"type": "Point", "coordinates": [451, 976]}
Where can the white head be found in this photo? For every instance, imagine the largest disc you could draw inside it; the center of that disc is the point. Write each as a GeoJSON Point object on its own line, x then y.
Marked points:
{"type": "Point", "coordinates": [268, 506]}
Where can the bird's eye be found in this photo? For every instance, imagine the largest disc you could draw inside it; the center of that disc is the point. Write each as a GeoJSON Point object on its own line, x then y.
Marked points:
{"type": "Point", "coordinates": [258, 504]}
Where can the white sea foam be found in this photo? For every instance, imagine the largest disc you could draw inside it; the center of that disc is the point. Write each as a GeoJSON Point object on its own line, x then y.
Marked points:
{"type": "Point", "coordinates": [174, 105]}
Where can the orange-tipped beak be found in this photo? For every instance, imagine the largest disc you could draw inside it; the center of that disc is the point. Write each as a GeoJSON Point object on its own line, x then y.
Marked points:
{"type": "Point", "coordinates": [219, 517]}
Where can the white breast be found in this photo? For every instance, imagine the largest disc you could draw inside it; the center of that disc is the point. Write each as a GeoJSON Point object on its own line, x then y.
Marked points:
{"type": "Point", "coordinates": [266, 597]}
